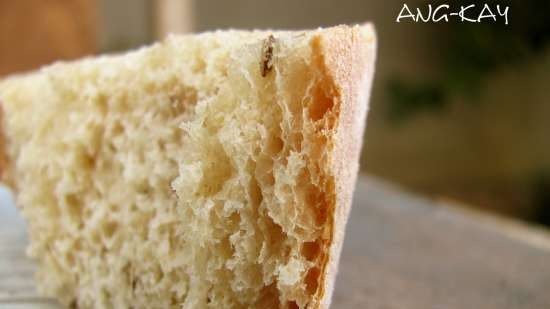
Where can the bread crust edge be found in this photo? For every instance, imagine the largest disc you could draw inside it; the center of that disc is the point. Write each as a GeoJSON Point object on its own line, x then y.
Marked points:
{"type": "Point", "coordinates": [349, 56]}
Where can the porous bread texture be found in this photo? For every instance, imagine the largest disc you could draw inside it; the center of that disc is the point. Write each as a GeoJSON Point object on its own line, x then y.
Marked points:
{"type": "Point", "coordinates": [191, 173]}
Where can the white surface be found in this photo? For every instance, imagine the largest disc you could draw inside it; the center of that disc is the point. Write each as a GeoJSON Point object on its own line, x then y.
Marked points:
{"type": "Point", "coordinates": [8, 212]}
{"type": "Point", "coordinates": [6, 199]}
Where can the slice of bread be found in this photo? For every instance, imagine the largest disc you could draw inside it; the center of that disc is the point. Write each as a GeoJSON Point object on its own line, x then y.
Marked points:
{"type": "Point", "coordinates": [207, 171]}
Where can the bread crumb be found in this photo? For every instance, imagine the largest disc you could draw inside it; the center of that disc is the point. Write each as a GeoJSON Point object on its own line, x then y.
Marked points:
{"type": "Point", "coordinates": [290, 273]}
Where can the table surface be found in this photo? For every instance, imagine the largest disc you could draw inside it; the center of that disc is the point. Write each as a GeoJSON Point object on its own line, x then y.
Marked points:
{"type": "Point", "coordinates": [401, 251]}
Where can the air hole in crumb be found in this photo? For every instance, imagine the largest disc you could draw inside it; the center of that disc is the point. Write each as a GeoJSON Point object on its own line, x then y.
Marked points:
{"type": "Point", "coordinates": [88, 161]}
{"type": "Point", "coordinates": [255, 192]}
{"type": "Point", "coordinates": [216, 174]}
{"type": "Point", "coordinates": [264, 170]}
{"type": "Point", "coordinates": [101, 103]}
{"type": "Point", "coordinates": [143, 187]}
{"type": "Point", "coordinates": [174, 299]}
{"type": "Point", "coordinates": [161, 145]}
{"type": "Point", "coordinates": [321, 217]}
{"type": "Point", "coordinates": [133, 207]}
{"type": "Point", "coordinates": [181, 99]}
{"type": "Point", "coordinates": [108, 295]}
{"type": "Point", "coordinates": [296, 139]}
{"type": "Point", "coordinates": [77, 245]}
{"type": "Point", "coordinates": [117, 128]}
{"type": "Point", "coordinates": [158, 274]}
{"type": "Point", "coordinates": [94, 237]}
{"type": "Point", "coordinates": [275, 145]}
{"type": "Point", "coordinates": [176, 106]}
{"type": "Point", "coordinates": [199, 65]}
{"type": "Point", "coordinates": [265, 177]}
{"type": "Point", "coordinates": [109, 229]}
{"type": "Point", "coordinates": [311, 250]}
{"type": "Point", "coordinates": [321, 104]}
{"type": "Point", "coordinates": [111, 147]}
{"type": "Point", "coordinates": [312, 280]}
{"type": "Point", "coordinates": [312, 193]}
{"type": "Point", "coordinates": [234, 220]}
{"type": "Point", "coordinates": [316, 199]}
{"type": "Point", "coordinates": [326, 198]}
{"type": "Point", "coordinates": [268, 297]}
{"type": "Point", "coordinates": [292, 305]}
{"type": "Point", "coordinates": [225, 248]}
{"type": "Point", "coordinates": [74, 206]}
{"type": "Point", "coordinates": [70, 259]}
{"type": "Point", "coordinates": [275, 236]}
{"type": "Point", "coordinates": [269, 178]}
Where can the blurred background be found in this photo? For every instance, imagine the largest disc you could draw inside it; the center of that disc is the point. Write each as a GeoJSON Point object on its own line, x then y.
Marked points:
{"type": "Point", "coordinates": [458, 111]}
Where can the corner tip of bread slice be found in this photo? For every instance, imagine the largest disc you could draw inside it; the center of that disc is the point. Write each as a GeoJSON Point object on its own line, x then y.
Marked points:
{"type": "Point", "coordinates": [131, 151]}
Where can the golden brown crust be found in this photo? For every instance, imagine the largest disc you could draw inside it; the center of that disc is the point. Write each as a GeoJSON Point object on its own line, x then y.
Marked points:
{"type": "Point", "coordinates": [3, 154]}
{"type": "Point", "coordinates": [5, 168]}
{"type": "Point", "coordinates": [349, 54]}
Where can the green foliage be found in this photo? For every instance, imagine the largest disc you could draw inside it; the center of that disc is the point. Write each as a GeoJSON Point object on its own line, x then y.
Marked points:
{"type": "Point", "coordinates": [409, 97]}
